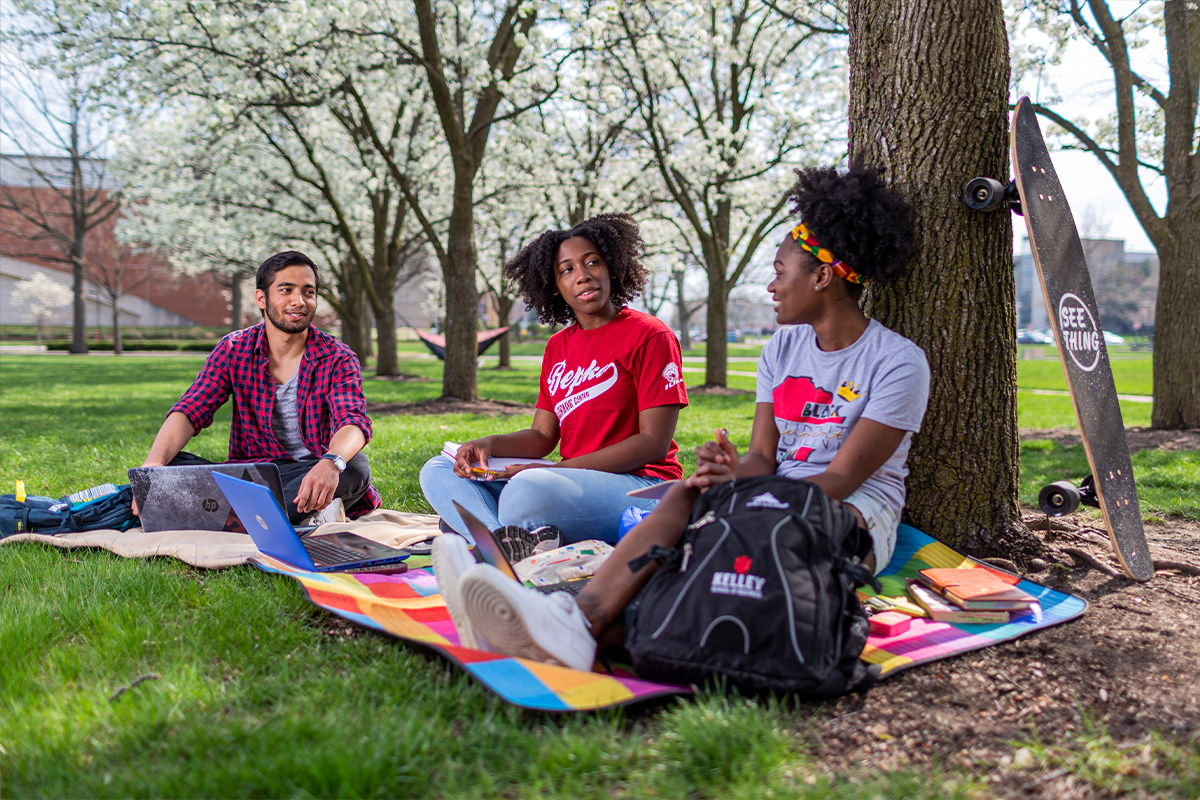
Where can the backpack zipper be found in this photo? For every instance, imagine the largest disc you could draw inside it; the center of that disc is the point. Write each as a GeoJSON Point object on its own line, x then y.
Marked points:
{"type": "Point", "coordinates": [682, 592]}
{"type": "Point", "coordinates": [687, 556]}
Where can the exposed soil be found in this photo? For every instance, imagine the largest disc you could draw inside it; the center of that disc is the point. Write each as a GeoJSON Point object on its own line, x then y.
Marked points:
{"type": "Point", "coordinates": [1128, 666]}
{"type": "Point", "coordinates": [451, 405]}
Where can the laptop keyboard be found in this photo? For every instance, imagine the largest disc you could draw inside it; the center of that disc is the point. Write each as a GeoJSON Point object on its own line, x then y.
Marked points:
{"type": "Point", "coordinates": [324, 551]}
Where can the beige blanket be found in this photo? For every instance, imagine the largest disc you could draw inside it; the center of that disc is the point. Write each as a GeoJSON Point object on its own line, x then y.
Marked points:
{"type": "Point", "coordinates": [213, 549]}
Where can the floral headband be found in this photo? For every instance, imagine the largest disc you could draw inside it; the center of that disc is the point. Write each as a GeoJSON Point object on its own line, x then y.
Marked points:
{"type": "Point", "coordinates": [805, 239]}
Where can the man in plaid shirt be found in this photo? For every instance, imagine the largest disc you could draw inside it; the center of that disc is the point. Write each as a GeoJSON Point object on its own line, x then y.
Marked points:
{"type": "Point", "coordinates": [297, 398]}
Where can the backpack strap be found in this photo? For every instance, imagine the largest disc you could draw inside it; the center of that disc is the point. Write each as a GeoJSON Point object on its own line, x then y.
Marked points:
{"type": "Point", "coordinates": [663, 555]}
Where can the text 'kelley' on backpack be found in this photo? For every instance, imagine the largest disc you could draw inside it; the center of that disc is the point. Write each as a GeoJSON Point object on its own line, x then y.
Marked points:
{"type": "Point", "coordinates": [107, 507]}
{"type": "Point", "coordinates": [760, 592]}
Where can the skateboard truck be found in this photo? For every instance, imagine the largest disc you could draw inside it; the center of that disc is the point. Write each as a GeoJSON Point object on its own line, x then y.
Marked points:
{"type": "Point", "coordinates": [1062, 497]}
{"type": "Point", "coordinates": [989, 194]}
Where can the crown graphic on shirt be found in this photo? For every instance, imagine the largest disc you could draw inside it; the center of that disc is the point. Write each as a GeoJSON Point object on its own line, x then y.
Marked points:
{"type": "Point", "coordinates": [846, 391]}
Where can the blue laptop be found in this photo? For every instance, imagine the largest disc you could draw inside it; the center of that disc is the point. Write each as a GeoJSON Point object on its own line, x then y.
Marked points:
{"type": "Point", "coordinates": [273, 535]}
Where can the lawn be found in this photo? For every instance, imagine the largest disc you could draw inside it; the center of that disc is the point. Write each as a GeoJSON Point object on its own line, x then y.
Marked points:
{"type": "Point", "coordinates": [235, 685]}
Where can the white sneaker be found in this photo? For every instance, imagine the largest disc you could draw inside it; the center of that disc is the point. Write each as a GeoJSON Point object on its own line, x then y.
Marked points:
{"type": "Point", "coordinates": [519, 621]}
{"type": "Point", "coordinates": [334, 512]}
{"type": "Point", "coordinates": [451, 558]}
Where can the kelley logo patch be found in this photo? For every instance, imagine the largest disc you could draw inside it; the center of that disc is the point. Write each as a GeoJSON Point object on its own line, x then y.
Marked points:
{"type": "Point", "coordinates": [743, 585]}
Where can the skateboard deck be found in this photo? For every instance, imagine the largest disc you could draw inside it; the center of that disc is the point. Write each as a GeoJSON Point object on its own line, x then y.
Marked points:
{"type": "Point", "coordinates": [1071, 308]}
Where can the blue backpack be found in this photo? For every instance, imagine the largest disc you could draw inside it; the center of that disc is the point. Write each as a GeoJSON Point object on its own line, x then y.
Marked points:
{"type": "Point", "coordinates": [83, 511]}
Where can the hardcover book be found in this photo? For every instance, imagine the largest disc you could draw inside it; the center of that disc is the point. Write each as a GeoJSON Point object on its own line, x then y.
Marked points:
{"type": "Point", "coordinates": [976, 589]}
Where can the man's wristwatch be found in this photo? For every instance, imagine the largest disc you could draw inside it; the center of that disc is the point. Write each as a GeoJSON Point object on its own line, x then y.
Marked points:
{"type": "Point", "coordinates": [338, 461]}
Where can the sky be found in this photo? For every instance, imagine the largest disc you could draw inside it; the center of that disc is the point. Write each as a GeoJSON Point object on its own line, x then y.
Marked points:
{"type": "Point", "coordinates": [1084, 81]}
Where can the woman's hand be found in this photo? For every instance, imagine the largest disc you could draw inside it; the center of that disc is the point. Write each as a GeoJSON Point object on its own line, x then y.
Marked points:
{"type": "Point", "coordinates": [470, 453]}
{"type": "Point", "coordinates": [716, 462]}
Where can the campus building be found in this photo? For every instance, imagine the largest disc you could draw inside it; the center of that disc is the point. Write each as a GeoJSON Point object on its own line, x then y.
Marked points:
{"type": "Point", "coordinates": [152, 292]}
{"type": "Point", "coordinates": [1126, 286]}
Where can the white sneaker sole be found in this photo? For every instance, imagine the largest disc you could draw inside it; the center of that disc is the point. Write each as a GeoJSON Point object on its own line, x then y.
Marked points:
{"type": "Point", "coordinates": [448, 571]}
{"type": "Point", "coordinates": [494, 607]}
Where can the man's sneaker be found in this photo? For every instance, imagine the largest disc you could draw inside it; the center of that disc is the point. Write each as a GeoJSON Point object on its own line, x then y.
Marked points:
{"type": "Point", "coordinates": [451, 558]}
{"type": "Point", "coordinates": [518, 544]}
{"type": "Point", "coordinates": [519, 621]}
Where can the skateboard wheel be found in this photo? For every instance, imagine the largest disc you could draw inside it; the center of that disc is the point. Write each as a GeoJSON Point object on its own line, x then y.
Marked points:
{"type": "Point", "coordinates": [1058, 499]}
{"type": "Point", "coordinates": [984, 194]}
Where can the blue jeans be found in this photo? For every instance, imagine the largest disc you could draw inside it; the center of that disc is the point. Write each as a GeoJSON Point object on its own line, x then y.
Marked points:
{"type": "Point", "coordinates": [582, 503]}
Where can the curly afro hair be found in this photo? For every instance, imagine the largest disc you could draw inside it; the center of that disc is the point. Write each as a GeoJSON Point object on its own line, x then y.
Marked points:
{"type": "Point", "coordinates": [619, 241]}
{"type": "Point", "coordinates": [856, 217]}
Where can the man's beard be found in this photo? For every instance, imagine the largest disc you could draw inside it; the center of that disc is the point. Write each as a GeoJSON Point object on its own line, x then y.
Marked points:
{"type": "Point", "coordinates": [287, 326]}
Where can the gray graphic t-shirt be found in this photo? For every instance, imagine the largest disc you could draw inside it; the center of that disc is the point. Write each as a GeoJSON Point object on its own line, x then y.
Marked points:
{"type": "Point", "coordinates": [818, 398]}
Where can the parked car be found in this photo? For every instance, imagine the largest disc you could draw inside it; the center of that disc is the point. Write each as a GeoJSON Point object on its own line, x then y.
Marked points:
{"type": "Point", "coordinates": [1112, 338]}
{"type": "Point", "coordinates": [1034, 337]}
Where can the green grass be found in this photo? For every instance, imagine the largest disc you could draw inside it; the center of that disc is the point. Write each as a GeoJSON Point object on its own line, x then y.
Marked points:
{"type": "Point", "coordinates": [256, 696]}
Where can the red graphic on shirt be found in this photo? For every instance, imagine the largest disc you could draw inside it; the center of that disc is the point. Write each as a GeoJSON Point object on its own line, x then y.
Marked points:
{"type": "Point", "coordinates": [799, 400]}
{"type": "Point", "coordinates": [741, 564]}
{"type": "Point", "coordinates": [801, 453]}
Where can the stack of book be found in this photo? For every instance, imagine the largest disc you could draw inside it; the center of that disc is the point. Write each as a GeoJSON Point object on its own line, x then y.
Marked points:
{"type": "Point", "coordinates": [969, 595]}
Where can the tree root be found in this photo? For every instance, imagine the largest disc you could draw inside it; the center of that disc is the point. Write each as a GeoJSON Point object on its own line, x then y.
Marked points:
{"type": "Point", "coordinates": [1177, 566]}
{"type": "Point", "coordinates": [1087, 558]}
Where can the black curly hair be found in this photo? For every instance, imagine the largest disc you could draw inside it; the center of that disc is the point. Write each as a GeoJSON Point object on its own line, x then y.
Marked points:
{"type": "Point", "coordinates": [858, 218]}
{"type": "Point", "coordinates": [615, 236]}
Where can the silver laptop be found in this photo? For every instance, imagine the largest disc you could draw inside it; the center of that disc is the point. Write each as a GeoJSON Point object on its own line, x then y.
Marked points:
{"type": "Point", "coordinates": [187, 498]}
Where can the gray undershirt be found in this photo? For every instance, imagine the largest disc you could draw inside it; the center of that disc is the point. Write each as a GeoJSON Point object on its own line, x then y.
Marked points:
{"type": "Point", "coordinates": [285, 420]}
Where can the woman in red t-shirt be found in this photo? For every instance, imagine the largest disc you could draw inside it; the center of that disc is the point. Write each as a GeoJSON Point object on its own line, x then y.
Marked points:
{"type": "Point", "coordinates": [610, 393]}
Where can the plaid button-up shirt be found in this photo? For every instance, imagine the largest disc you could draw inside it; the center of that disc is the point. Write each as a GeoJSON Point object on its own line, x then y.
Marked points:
{"type": "Point", "coordinates": [328, 397]}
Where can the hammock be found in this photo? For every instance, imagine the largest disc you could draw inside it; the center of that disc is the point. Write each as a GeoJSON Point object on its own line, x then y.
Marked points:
{"type": "Point", "coordinates": [437, 343]}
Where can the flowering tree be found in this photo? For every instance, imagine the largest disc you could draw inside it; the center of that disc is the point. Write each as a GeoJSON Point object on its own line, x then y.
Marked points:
{"type": "Point", "coordinates": [728, 95]}
{"type": "Point", "coordinates": [41, 296]}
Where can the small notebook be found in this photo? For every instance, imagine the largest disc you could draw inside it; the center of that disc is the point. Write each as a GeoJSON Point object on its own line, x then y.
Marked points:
{"type": "Point", "coordinates": [496, 464]}
{"type": "Point", "coordinates": [976, 588]}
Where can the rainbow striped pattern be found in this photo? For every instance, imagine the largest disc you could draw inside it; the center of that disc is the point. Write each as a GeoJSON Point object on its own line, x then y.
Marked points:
{"type": "Point", "coordinates": [926, 640]}
{"type": "Point", "coordinates": [409, 606]}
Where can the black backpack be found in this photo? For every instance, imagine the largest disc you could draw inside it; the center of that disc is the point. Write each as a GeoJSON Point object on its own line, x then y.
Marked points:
{"type": "Point", "coordinates": [47, 515]}
{"type": "Point", "coordinates": [759, 592]}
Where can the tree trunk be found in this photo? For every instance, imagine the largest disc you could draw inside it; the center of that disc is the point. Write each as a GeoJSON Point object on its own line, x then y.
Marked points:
{"type": "Point", "coordinates": [462, 299]}
{"type": "Point", "coordinates": [929, 104]}
{"type": "Point", "coordinates": [387, 363]}
{"type": "Point", "coordinates": [235, 302]}
{"type": "Point", "coordinates": [716, 349]}
{"type": "Point", "coordinates": [78, 320]}
{"type": "Point", "coordinates": [118, 349]}
{"type": "Point", "coordinates": [1177, 309]}
{"type": "Point", "coordinates": [504, 307]}
{"type": "Point", "coordinates": [1177, 330]}
{"type": "Point", "coordinates": [682, 315]}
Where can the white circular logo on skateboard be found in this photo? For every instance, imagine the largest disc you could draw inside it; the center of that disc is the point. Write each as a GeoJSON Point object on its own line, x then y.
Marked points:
{"type": "Point", "coordinates": [1079, 334]}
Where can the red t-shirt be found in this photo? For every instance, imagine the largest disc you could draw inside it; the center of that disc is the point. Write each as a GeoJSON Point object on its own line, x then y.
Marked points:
{"type": "Point", "coordinates": [597, 381]}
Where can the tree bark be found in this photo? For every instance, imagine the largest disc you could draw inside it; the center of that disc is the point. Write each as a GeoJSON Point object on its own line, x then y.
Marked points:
{"type": "Point", "coordinates": [118, 347]}
{"type": "Point", "coordinates": [79, 343]}
{"type": "Point", "coordinates": [929, 104]}
{"type": "Point", "coordinates": [504, 307]}
{"type": "Point", "coordinates": [1177, 330]}
{"type": "Point", "coordinates": [1177, 309]}
{"type": "Point", "coordinates": [235, 302]}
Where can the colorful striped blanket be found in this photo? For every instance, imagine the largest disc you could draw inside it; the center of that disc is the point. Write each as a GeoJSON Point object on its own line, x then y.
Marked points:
{"type": "Point", "coordinates": [409, 606]}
